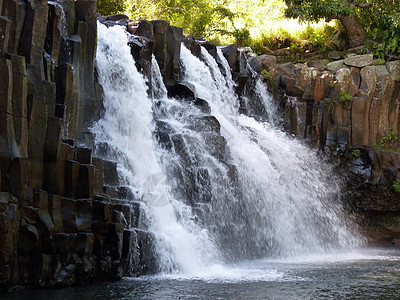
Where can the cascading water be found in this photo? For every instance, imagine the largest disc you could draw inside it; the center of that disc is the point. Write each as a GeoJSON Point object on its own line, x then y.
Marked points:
{"type": "Point", "coordinates": [211, 199]}
{"type": "Point", "coordinates": [287, 198]}
{"type": "Point", "coordinates": [62, 21]}
{"type": "Point", "coordinates": [127, 130]}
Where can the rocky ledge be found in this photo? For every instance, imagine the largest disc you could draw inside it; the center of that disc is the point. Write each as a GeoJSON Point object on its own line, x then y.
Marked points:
{"type": "Point", "coordinates": [64, 218]}
{"type": "Point", "coordinates": [349, 108]}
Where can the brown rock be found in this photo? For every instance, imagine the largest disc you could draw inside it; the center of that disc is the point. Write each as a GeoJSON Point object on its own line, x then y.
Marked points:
{"type": "Point", "coordinates": [9, 228]}
{"type": "Point", "coordinates": [141, 28]}
{"type": "Point", "coordinates": [368, 81]}
{"type": "Point", "coordinates": [68, 214]}
{"type": "Point", "coordinates": [264, 62]}
{"type": "Point", "coordinates": [5, 25]}
{"type": "Point", "coordinates": [55, 212]}
{"type": "Point", "coordinates": [360, 121]}
{"type": "Point", "coordinates": [71, 177]}
{"type": "Point", "coordinates": [382, 80]}
{"type": "Point", "coordinates": [84, 215]}
{"type": "Point", "coordinates": [19, 104]}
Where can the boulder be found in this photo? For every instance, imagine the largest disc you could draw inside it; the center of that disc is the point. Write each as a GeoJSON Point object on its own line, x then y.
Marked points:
{"type": "Point", "coordinates": [210, 47]}
{"type": "Point", "coordinates": [368, 81]}
{"type": "Point", "coordinates": [141, 28]}
{"type": "Point", "coordinates": [190, 42]}
{"type": "Point", "coordinates": [306, 81]}
{"type": "Point", "coordinates": [335, 55]}
{"type": "Point", "coordinates": [335, 65]}
{"type": "Point", "coordinates": [393, 68]}
{"type": "Point", "coordinates": [230, 52]}
{"type": "Point", "coordinates": [359, 61]}
{"type": "Point", "coordinates": [319, 64]}
{"type": "Point", "coordinates": [382, 80]}
{"type": "Point", "coordinates": [264, 62]}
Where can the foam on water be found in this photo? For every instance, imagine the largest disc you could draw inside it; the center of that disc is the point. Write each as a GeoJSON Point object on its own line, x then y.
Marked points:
{"type": "Point", "coordinates": [282, 202]}
{"type": "Point", "coordinates": [127, 129]}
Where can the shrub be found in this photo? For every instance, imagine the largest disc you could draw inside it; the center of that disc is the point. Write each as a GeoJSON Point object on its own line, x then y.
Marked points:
{"type": "Point", "coordinates": [345, 98]}
{"type": "Point", "coordinates": [386, 142]}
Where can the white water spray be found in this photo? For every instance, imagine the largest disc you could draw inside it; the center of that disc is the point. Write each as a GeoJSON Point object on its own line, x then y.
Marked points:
{"type": "Point", "coordinates": [289, 199]}
{"type": "Point", "coordinates": [254, 193]}
{"type": "Point", "coordinates": [127, 128]}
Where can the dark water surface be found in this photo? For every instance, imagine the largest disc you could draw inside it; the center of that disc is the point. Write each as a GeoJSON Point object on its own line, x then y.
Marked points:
{"type": "Point", "coordinates": [365, 274]}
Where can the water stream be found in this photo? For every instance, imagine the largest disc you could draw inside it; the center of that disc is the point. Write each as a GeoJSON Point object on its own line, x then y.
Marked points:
{"type": "Point", "coordinates": [211, 200]}
{"type": "Point", "coordinates": [236, 208]}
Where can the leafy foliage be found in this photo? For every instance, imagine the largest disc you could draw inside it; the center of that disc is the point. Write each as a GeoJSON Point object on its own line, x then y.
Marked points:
{"type": "Point", "coordinates": [345, 98]}
{"type": "Point", "coordinates": [382, 22]}
{"type": "Point", "coordinates": [379, 18]}
{"type": "Point", "coordinates": [396, 186]}
{"type": "Point", "coordinates": [312, 10]}
{"type": "Point", "coordinates": [386, 143]}
{"type": "Point", "coordinates": [356, 153]}
{"type": "Point", "coordinates": [263, 25]}
{"type": "Point", "coordinates": [110, 7]}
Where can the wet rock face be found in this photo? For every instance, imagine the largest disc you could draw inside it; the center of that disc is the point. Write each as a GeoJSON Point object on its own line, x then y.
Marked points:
{"type": "Point", "coordinates": [371, 192]}
{"type": "Point", "coordinates": [351, 95]}
{"type": "Point", "coordinates": [64, 219]}
{"type": "Point", "coordinates": [350, 108]}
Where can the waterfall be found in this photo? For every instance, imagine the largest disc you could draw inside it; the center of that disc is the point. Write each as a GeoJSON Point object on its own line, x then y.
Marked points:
{"type": "Point", "coordinates": [214, 188]}
{"type": "Point", "coordinates": [127, 129]}
{"type": "Point", "coordinates": [62, 21]}
{"type": "Point", "coordinates": [288, 198]}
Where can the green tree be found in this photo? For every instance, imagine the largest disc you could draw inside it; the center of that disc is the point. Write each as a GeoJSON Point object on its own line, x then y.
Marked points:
{"type": "Point", "coordinates": [343, 10]}
{"type": "Point", "coordinates": [198, 17]}
{"type": "Point", "coordinates": [110, 7]}
{"type": "Point", "coordinates": [382, 23]}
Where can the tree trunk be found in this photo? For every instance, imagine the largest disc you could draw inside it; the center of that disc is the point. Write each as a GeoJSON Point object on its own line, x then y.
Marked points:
{"type": "Point", "coordinates": [354, 30]}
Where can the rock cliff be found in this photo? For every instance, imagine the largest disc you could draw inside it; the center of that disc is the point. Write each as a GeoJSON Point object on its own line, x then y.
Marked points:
{"type": "Point", "coordinates": [64, 217]}
{"type": "Point", "coordinates": [61, 218]}
{"type": "Point", "coordinates": [350, 109]}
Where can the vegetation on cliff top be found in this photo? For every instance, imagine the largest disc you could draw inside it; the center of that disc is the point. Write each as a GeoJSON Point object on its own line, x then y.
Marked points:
{"type": "Point", "coordinates": [271, 25]}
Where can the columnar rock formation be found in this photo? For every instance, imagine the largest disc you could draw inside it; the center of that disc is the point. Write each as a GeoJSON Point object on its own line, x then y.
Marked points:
{"type": "Point", "coordinates": [58, 224]}
{"type": "Point", "coordinates": [64, 217]}
{"type": "Point", "coordinates": [351, 109]}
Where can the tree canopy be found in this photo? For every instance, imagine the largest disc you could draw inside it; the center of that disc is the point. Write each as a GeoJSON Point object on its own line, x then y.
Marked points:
{"type": "Point", "coordinates": [250, 22]}
{"type": "Point", "coordinates": [343, 10]}
{"type": "Point", "coordinates": [378, 18]}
